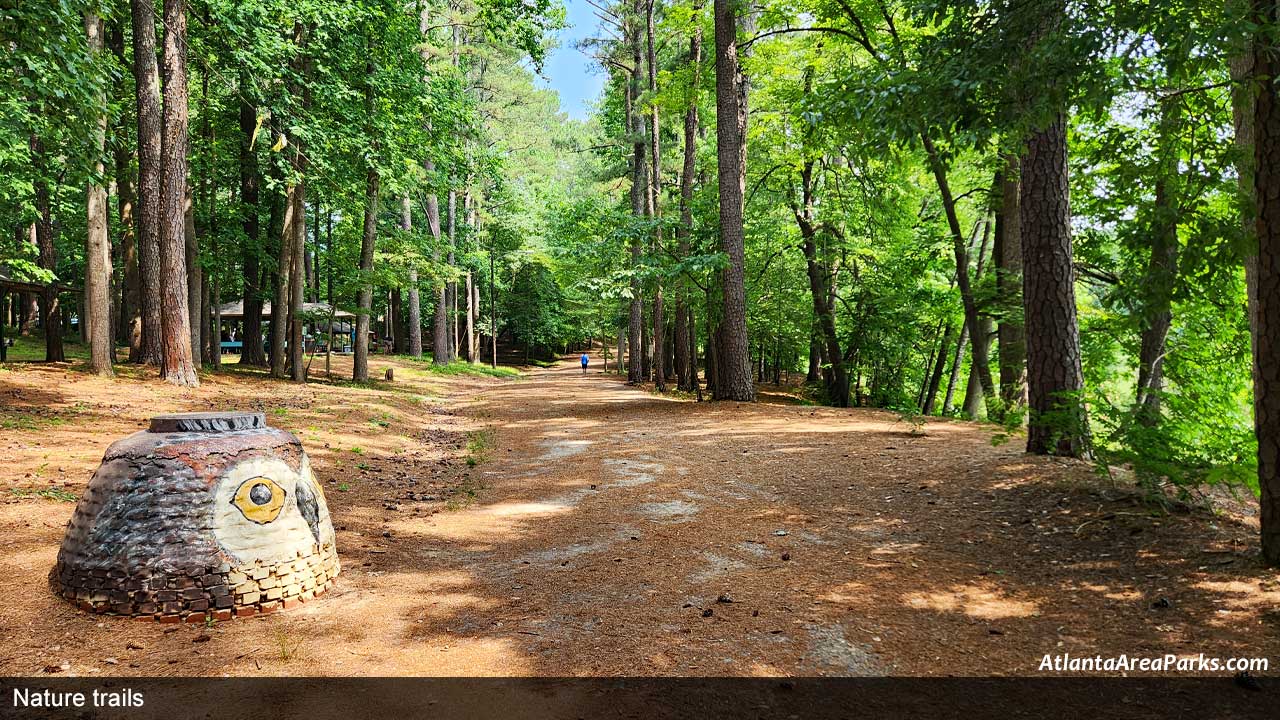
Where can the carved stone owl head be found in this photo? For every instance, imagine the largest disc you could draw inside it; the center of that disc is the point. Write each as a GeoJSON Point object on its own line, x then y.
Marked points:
{"type": "Point", "coordinates": [204, 514]}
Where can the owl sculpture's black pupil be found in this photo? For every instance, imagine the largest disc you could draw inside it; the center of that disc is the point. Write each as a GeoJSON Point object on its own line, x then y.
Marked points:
{"type": "Point", "coordinates": [260, 494]}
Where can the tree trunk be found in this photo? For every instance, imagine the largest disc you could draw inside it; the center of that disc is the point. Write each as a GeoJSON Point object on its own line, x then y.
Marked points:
{"type": "Point", "coordinates": [934, 357]}
{"type": "Point", "coordinates": [686, 363]}
{"type": "Point", "coordinates": [838, 387]}
{"type": "Point", "coordinates": [176, 363]}
{"type": "Point", "coordinates": [1054, 377]}
{"type": "Point", "coordinates": [360, 371]}
{"type": "Point", "coordinates": [396, 326]}
{"type": "Point", "coordinates": [30, 305]}
{"type": "Point", "coordinates": [452, 286]}
{"type": "Point", "coordinates": [251, 351]}
{"type": "Point", "coordinates": [814, 372]}
{"type": "Point", "coordinates": [960, 249]}
{"type": "Point", "coordinates": [280, 300]}
{"type": "Point", "coordinates": [97, 273]}
{"type": "Point", "coordinates": [1266, 376]}
{"type": "Point", "coordinates": [195, 275]}
{"type": "Point", "coordinates": [50, 312]}
{"type": "Point", "coordinates": [147, 85]}
{"type": "Point", "coordinates": [733, 371]}
{"type": "Point", "coordinates": [693, 354]}
{"type": "Point", "coordinates": [206, 322]}
{"type": "Point", "coordinates": [440, 324]}
{"type": "Point", "coordinates": [935, 380]}
{"type": "Point", "coordinates": [980, 344]}
{"type": "Point", "coordinates": [203, 314]}
{"type": "Point", "coordinates": [1161, 276]}
{"type": "Point", "coordinates": [471, 325]}
{"type": "Point", "coordinates": [415, 303]}
{"type": "Point", "coordinates": [639, 187]}
{"type": "Point", "coordinates": [948, 402]}
{"type": "Point", "coordinates": [297, 275]}
{"type": "Point", "coordinates": [130, 313]}
{"type": "Point", "coordinates": [297, 355]}
{"type": "Point", "coordinates": [972, 405]}
{"type": "Point", "coordinates": [475, 323]}
{"type": "Point", "coordinates": [659, 332]}
{"type": "Point", "coordinates": [645, 345]}
{"type": "Point", "coordinates": [1011, 341]}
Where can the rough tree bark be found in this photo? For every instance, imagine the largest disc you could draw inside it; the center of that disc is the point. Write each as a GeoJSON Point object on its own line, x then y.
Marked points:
{"type": "Point", "coordinates": [297, 275]}
{"type": "Point", "coordinates": [980, 341]}
{"type": "Point", "coordinates": [1266, 352]}
{"type": "Point", "coordinates": [635, 343]}
{"type": "Point", "coordinates": [451, 288]}
{"type": "Point", "coordinates": [685, 361]}
{"type": "Point", "coordinates": [280, 300]}
{"type": "Point", "coordinates": [97, 273]}
{"type": "Point", "coordinates": [440, 324]}
{"type": "Point", "coordinates": [360, 371]}
{"type": "Point", "coordinates": [176, 363]}
{"type": "Point", "coordinates": [655, 212]}
{"type": "Point", "coordinates": [733, 366]}
{"type": "Point", "coordinates": [195, 274]}
{"type": "Point", "coordinates": [415, 302]}
{"type": "Point", "coordinates": [251, 339]}
{"type": "Point", "coordinates": [1054, 377]}
{"type": "Point", "coordinates": [471, 318]}
{"type": "Point", "coordinates": [147, 86]}
{"type": "Point", "coordinates": [130, 310]}
{"type": "Point", "coordinates": [297, 366]}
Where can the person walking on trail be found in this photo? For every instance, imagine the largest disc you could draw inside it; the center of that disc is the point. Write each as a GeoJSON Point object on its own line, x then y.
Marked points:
{"type": "Point", "coordinates": [584, 363]}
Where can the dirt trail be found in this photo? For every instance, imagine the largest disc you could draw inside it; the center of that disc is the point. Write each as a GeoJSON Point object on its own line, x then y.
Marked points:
{"type": "Point", "coordinates": [605, 530]}
{"type": "Point", "coordinates": [617, 521]}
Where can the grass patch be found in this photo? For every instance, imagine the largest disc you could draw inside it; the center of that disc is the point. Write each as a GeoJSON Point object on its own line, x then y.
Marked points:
{"type": "Point", "coordinates": [289, 647]}
{"type": "Point", "coordinates": [58, 494]}
{"type": "Point", "coordinates": [479, 443]}
{"type": "Point", "coordinates": [459, 367]}
{"type": "Point", "coordinates": [31, 347]}
{"type": "Point", "coordinates": [463, 495]}
{"type": "Point", "coordinates": [26, 421]}
{"type": "Point", "coordinates": [40, 418]}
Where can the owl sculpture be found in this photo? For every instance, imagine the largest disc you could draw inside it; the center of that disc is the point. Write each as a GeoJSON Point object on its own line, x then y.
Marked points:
{"type": "Point", "coordinates": [204, 515]}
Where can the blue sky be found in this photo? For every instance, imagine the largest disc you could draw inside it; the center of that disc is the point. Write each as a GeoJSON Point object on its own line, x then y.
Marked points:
{"type": "Point", "coordinates": [577, 78]}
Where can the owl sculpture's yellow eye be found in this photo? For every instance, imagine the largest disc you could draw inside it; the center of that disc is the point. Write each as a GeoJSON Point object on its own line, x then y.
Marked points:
{"type": "Point", "coordinates": [260, 499]}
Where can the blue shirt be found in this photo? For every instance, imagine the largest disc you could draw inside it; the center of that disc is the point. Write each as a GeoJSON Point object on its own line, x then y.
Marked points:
{"type": "Point", "coordinates": [584, 358]}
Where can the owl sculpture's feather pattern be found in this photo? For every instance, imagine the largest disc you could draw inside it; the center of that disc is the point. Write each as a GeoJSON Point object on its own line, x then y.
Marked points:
{"type": "Point", "coordinates": [309, 508]}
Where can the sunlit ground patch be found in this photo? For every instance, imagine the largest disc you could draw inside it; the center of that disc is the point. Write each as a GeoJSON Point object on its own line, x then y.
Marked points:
{"type": "Point", "coordinates": [985, 603]}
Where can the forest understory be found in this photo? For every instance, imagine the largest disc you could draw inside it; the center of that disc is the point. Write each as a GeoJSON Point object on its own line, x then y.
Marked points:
{"type": "Point", "coordinates": [564, 524]}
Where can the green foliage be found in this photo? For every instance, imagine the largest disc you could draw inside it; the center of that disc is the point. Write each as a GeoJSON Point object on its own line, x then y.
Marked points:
{"type": "Point", "coordinates": [441, 100]}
